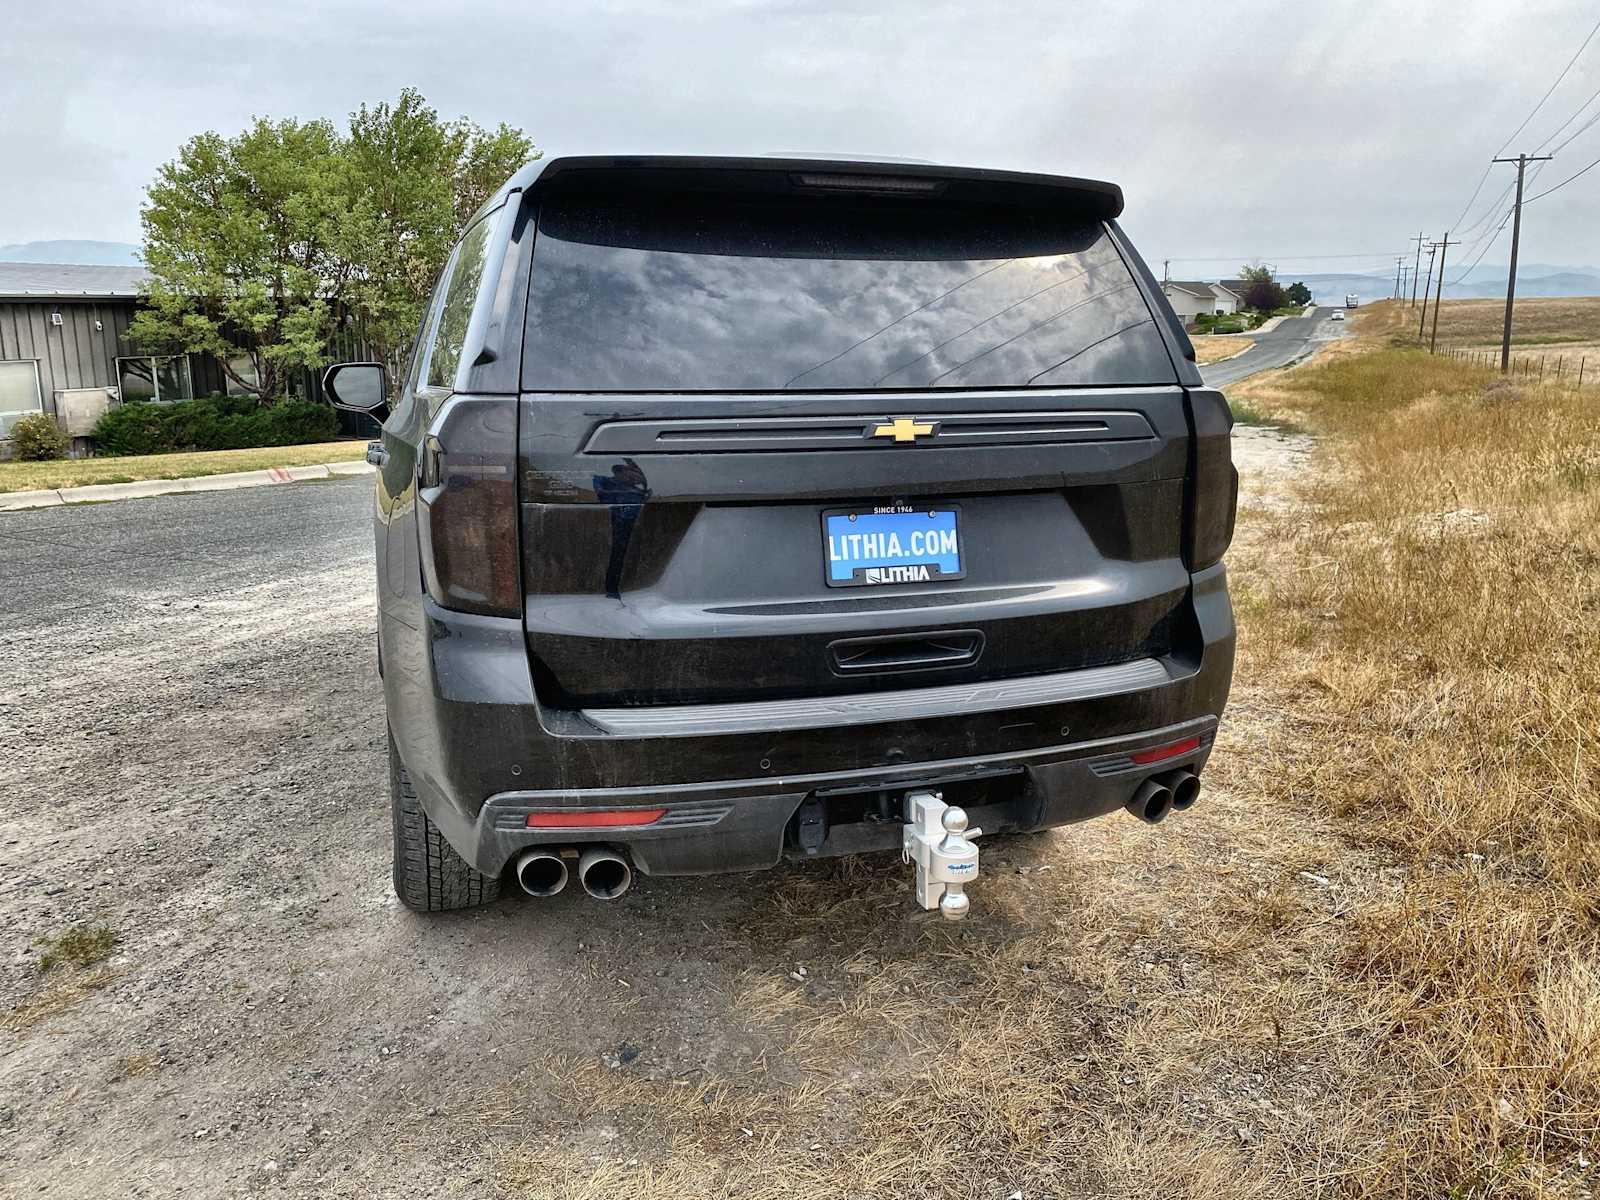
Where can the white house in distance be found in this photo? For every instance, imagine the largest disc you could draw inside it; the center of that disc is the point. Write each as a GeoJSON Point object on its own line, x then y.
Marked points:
{"type": "Point", "coordinates": [1228, 300]}
{"type": "Point", "coordinates": [1191, 297]}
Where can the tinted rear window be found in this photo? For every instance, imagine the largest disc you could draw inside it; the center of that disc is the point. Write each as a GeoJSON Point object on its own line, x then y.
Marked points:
{"type": "Point", "coordinates": [671, 292]}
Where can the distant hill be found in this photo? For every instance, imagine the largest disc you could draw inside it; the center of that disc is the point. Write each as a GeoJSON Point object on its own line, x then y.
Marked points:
{"type": "Point", "coordinates": [73, 251]}
{"type": "Point", "coordinates": [1532, 280]}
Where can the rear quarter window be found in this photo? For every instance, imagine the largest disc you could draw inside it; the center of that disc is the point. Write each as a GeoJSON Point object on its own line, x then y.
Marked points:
{"type": "Point", "coordinates": [464, 275]}
{"type": "Point", "coordinates": [665, 292]}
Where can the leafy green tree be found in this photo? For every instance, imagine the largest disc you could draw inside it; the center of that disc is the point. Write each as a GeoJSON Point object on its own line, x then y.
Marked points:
{"type": "Point", "coordinates": [415, 182]}
{"type": "Point", "coordinates": [259, 244]}
{"type": "Point", "coordinates": [241, 239]}
{"type": "Point", "coordinates": [1298, 293]}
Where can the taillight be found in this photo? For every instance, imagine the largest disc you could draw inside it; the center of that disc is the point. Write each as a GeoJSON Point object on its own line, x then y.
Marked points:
{"type": "Point", "coordinates": [467, 507]}
{"type": "Point", "coordinates": [1159, 753]}
{"type": "Point", "coordinates": [1213, 492]}
{"type": "Point", "coordinates": [595, 818]}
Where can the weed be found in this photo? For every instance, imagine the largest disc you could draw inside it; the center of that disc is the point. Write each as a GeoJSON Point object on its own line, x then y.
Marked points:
{"type": "Point", "coordinates": [80, 946]}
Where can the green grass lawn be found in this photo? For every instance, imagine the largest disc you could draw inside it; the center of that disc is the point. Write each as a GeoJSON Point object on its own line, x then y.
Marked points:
{"type": "Point", "coordinates": [75, 472]}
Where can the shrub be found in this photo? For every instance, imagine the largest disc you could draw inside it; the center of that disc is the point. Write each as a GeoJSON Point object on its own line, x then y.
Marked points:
{"type": "Point", "coordinates": [212, 423]}
{"type": "Point", "coordinates": [37, 437]}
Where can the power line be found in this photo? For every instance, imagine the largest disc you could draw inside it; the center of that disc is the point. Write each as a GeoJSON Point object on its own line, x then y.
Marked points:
{"type": "Point", "coordinates": [1593, 96]}
{"type": "Point", "coordinates": [1295, 257]}
{"type": "Point", "coordinates": [1564, 182]}
{"type": "Point", "coordinates": [1492, 232]}
{"type": "Point", "coordinates": [1575, 134]}
{"type": "Point", "coordinates": [1487, 247]}
{"type": "Point", "coordinates": [1488, 213]}
{"type": "Point", "coordinates": [1582, 46]}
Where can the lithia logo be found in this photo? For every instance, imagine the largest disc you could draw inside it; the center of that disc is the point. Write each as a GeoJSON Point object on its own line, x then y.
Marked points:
{"type": "Point", "coordinates": [918, 574]}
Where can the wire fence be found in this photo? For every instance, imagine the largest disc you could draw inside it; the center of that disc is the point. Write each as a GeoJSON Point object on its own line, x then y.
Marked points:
{"type": "Point", "coordinates": [1559, 368]}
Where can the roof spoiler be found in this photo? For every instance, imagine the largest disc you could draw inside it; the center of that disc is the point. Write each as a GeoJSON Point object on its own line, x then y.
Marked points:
{"type": "Point", "coordinates": [798, 176]}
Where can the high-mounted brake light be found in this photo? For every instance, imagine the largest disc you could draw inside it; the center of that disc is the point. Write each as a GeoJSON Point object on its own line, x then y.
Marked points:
{"type": "Point", "coordinates": [883, 184]}
{"type": "Point", "coordinates": [599, 818]}
{"type": "Point", "coordinates": [1162, 753]}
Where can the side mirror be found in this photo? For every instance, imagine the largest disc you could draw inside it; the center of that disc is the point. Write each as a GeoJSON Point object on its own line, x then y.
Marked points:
{"type": "Point", "coordinates": [356, 386]}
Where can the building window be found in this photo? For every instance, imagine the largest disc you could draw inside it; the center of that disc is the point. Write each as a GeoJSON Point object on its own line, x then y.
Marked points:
{"type": "Point", "coordinates": [155, 377]}
{"type": "Point", "coordinates": [19, 392]}
{"type": "Point", "coordinates": [244, 367]}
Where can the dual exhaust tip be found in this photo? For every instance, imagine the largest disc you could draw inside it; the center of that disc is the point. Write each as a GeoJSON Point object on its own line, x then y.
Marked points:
{"type": "Point", "coordinates": [604, 874]}
{"type": "Point", "coordinates": [1160, 794]}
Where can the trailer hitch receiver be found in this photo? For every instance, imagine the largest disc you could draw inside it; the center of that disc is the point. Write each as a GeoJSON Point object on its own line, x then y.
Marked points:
{"type": "Point", "coordinates": [936, 838]}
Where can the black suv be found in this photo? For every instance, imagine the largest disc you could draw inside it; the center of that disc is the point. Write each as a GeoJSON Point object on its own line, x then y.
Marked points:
{"type": "Point", "coordinates": [730, 504]}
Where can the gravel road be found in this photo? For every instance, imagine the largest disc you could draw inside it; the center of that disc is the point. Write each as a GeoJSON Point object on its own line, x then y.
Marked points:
{"type": "Point", "coordinates": [194, 758]}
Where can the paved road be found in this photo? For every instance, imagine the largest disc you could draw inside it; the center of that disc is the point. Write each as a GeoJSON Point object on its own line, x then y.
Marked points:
{"type": "Point", "coordinates": [1292, 340]}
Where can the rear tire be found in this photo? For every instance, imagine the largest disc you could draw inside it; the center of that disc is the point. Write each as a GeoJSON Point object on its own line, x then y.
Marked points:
{"type": "Point", "coordinates": [429, 876]}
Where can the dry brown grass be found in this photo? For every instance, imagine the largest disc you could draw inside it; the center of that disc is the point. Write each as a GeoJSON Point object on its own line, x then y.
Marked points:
{"type": "Point", "coordinates": [1213, 347]}
{"type": "Point", "coordinates": [1437, 638]}
{"type": "Point", "coordinates": [1536, 321]}
{"type": "Point", "coordinates": [135, 1066]}
{"type": "Point", "coordinates": [64, 992]}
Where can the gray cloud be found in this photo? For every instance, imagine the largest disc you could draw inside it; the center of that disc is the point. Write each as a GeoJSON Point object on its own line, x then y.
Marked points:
{"type": "Point", "coordinates": [1249, 128]}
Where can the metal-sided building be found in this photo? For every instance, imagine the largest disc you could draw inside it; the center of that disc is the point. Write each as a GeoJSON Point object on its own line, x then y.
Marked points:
{"type": "Point", "coordinates": [64, 350]}
{"type": "Point", "coordinates": [63, 332]}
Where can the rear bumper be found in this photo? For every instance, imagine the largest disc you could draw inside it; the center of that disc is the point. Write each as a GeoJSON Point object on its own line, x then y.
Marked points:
{"type": "Point", "coordinates": [483, 752]}
{"type": "Point", "coordinates": [741, 825]}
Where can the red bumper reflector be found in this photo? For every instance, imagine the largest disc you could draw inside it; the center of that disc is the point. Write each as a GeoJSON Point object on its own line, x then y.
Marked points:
{"type": "Point", "coordinates": [1156, 754]}
{"type": "Point", "coordinates": [608, 818]}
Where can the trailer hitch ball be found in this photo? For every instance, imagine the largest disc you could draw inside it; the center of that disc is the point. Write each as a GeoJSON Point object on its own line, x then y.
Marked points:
{"type": "Point", "coordinates": [936, 838]}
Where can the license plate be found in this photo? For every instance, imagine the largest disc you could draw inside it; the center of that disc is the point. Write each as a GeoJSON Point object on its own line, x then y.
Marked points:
{"type": "Point", "coordinates": [890, 544]}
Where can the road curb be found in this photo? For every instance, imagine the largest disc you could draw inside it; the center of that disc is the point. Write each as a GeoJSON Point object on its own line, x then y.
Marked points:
{"type": "Point", "coordinates": [94, 493]}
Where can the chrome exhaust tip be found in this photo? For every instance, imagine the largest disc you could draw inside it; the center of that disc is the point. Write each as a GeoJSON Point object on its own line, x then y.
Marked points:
{"type": "Point", "coordinates": [1152, 802]}
{"type": "Point", "coordinates": [605, 874]}
{"type": "Point", "coordinates": [541, 872]}
{"type": "Point", "coordinates": [1185, 789]}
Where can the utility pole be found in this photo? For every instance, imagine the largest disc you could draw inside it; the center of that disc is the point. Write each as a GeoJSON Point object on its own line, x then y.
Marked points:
{"type": "Point", "coordinates": [1422, 322]}
{"type": "Point", "coordinates": [1438, 295]}
{"type": "Point", "coordinates": [1522, 161]}
{"type": "Point", "coordinates": [1417, 269]}
{"type": "Point", "coordinates": [1405, 278]}
{"type": "Point", "coordinates": [1166, 273]}
{"type": "Point", "coordinates": [1397, 262]}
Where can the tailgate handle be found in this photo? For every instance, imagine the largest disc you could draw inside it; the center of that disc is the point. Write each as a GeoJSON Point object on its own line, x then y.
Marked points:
{"type": "Point", "coordinates": [905, 652]}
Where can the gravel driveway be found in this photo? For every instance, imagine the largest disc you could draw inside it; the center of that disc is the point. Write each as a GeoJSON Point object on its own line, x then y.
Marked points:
{"type": "Point", "coordinates": [194, 758]}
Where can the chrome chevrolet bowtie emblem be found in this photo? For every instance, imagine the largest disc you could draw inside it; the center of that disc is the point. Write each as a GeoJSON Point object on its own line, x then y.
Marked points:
{"type": "Point", "coordinates": [905, 429]}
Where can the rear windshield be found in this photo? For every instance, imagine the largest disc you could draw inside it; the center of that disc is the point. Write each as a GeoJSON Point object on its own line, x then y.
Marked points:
{"type": "Point", "coordinates": [678, 292]}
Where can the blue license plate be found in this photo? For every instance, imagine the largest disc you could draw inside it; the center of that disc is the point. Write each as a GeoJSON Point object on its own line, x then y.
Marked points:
{"type": "Point", "coordinates": [893, 543]}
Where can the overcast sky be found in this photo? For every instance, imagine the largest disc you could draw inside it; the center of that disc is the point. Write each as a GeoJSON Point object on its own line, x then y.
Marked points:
{"type": "Point", "coordinates": [1273, 130]}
